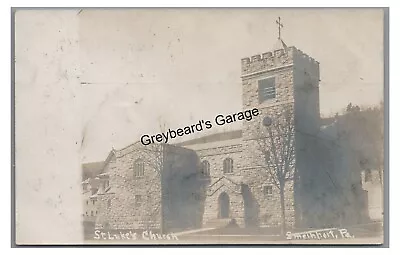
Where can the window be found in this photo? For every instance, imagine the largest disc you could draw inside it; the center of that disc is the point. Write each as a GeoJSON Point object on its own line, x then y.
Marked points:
{"type": "Point", "coordinates": [138, 200]}
{"type": "Point", "coordinates": [266, 89]}
{"type": "Point", "coordinates": [267, 190]}
{"type": "Point", "coordinates": [93, 202]}
{"type": "Point", "coordinates": [228, 165]}
{"type": "Point", "coordinates": [109, 203]}
{"type": "Point", "coordinates": [368, 175]}
{"type": "Point", "coordinates": [138, 168]}
{"type": "Point", "coordinates": [205, 168]}
{"type": "Point", "coordinates": [87, 202]}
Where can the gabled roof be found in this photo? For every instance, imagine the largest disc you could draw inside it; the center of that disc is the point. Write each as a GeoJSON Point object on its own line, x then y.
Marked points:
{"type": "Point", "coordinates": [223, 182]}
{"type": "Point", "coordinates": [211, 145]}
{"type": "Point", "coordinates": [217, 137]}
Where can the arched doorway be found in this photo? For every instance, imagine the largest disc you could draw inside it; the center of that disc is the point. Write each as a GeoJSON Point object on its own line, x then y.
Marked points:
{"type": "Point", "coordinates": [223, 202]}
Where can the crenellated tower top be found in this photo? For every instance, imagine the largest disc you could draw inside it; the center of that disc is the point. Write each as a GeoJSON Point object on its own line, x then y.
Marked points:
{"type": "Point", "coordinates": [274, 60]}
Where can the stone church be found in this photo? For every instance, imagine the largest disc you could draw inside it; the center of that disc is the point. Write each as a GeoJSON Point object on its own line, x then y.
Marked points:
{"type": "Point", "coordinates": [212, 180]}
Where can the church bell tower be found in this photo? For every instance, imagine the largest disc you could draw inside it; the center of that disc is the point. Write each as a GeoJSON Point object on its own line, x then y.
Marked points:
{"type": "Point", "coordinates": [284, 80]}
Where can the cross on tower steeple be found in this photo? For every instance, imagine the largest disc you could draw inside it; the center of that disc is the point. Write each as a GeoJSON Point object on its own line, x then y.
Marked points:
{"type": "Point", "coordinates": [280, 25]}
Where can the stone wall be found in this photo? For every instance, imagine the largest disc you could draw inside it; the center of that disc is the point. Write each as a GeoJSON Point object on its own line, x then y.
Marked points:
{"type": "Point", "coordinates": [256, 175]}
{"type": "Point", "coordinates": [296, 85]}
{"type": "Point", "coordinates": [267, 61]}
{"type": "Point", "coordinates": [244, 187]}
{"type": "Point", "coordinates": [166, 189]}
{"type": "Point", "coordinates": [306, 93]}
{"type": "Point", "coordinates": [220, 182]}
{"type": "Point", "coordinates": [136, 202]}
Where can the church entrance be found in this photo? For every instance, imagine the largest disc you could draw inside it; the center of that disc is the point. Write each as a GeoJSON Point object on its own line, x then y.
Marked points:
{"type": "Point", "coordinates": [223, 202]}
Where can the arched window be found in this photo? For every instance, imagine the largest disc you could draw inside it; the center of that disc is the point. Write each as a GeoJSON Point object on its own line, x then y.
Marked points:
{"type": "Point", "coordinates": [228, 165]}
{"type": "Point", "coordinates": [205, 168]}
{"type": "Point", "coordinates": [138, 168]}
{"type": "Point", "coordinates": [138, 200]}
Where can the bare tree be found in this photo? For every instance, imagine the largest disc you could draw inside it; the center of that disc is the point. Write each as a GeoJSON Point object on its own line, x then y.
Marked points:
{"type": "Point", "coordinates": [364, 129]}
{"type": "Point", "coordinates": [155, 159]}
{"type": "Point", "coordinates": [276, 141]}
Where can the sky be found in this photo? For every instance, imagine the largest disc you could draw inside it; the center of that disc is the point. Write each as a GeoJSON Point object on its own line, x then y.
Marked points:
{"type": "Point", "coordinates": [146, 67]}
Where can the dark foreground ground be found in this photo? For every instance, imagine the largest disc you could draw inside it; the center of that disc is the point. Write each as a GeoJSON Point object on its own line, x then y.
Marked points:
{"type": "Point", "coordinates": [242, 240]}
{"type": "Point", "coordinates": [236, 236]}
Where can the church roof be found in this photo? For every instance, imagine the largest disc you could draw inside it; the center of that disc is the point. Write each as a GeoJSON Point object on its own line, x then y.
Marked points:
{"type": "Point", "coordinates": [214, 141]}
{"type": "Point", "coordinates": [280, 44]}
{"type": "Point", "coordinates": [213, 138]}
{"type": "Point", "coordinates": [214, 144]}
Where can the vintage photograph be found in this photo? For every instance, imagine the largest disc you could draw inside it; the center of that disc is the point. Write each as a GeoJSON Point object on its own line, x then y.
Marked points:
{"type": "Point", "coordinates": [229, 126]}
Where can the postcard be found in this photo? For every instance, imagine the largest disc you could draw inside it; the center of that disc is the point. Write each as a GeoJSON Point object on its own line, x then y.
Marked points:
{"type": "Point", "coordinates": [224, 126]}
